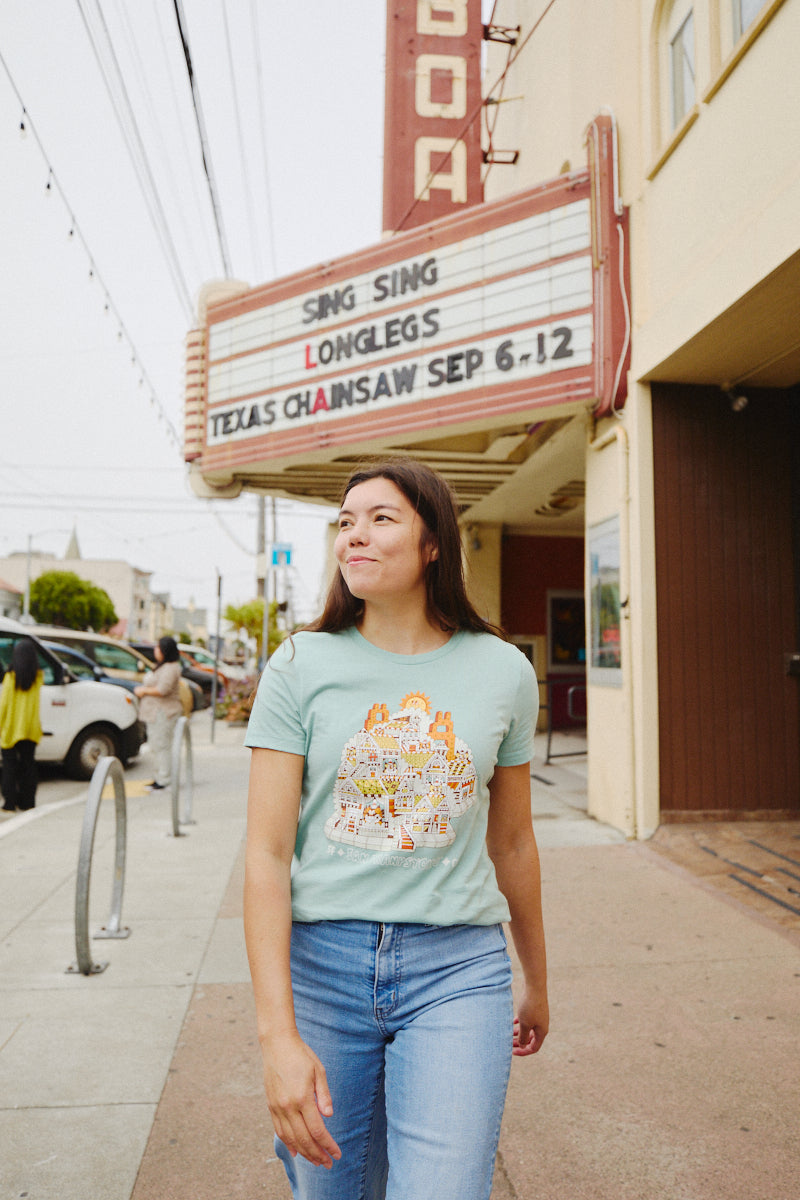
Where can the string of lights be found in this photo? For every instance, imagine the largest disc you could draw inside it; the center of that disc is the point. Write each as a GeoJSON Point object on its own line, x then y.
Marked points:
{"type": "Point", "coordinates": [75, 234]}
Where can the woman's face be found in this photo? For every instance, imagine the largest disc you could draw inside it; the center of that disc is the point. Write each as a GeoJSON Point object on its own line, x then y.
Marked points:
{"type": "Point", "coordinates": [158, 653]}
{"type": "Point", "coordinates": [378, 544]}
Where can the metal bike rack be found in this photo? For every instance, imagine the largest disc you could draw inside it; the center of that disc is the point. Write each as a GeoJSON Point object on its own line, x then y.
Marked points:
{"type": "Point", "coordinates": [106, 766]}
{"type": "Point", "coordinates": [182, 785]}
{"type": "Point", "coordinates": [576, 689]}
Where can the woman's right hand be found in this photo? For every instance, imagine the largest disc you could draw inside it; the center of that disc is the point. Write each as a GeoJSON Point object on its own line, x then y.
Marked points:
{"type": "Point", "coordinates": [298, 1098]}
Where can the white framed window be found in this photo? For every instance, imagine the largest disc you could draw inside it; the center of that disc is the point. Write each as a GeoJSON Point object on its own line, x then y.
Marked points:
{"type": "Point", "coordinates": [681, 64]}
{"type": "Point", "coordinates": [744, 13]}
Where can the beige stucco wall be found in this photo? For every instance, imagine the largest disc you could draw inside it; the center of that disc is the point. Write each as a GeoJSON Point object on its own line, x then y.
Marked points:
{"type": "Point", "coordinates": [609, 705]}
{"type": "Point", "coordinates": [720, 213]}
{"type": "Point", "coordinates": [713, 211]}
{"type": "Point", "coordinates": [482, 545]}
{"type": "Point", "coordinates": [584, 57]}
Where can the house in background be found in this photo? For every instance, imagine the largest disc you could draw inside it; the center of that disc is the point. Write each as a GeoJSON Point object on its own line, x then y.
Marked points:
{"type": "Point", "coordinates": [10, 600]}
{"type": "Point", "coordinates": [192, 621]}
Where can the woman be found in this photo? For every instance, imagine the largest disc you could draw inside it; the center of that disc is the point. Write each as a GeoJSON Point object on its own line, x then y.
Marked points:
{"type": "Point", "coordinates": [389, 836]}
{"type": "Point", "coordinates": [161, 706]}
{"type": "Point", "coordinates": [20, 726]}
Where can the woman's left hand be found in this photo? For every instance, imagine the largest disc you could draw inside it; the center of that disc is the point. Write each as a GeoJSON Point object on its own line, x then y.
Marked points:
{"type": "Point", "coordinates": [531, 1023]}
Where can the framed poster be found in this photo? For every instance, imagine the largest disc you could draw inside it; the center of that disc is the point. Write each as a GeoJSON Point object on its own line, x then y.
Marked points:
{"type": "Point", "coordinates": [566, 632]}
{"type": "Point", "coordinates": [605, 660]}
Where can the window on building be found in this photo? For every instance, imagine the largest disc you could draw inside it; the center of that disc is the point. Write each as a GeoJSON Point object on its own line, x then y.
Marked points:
{"type": "Point", "coordinates": [681, 61]}
{"type": "Point", "coordinates": [744, 13]}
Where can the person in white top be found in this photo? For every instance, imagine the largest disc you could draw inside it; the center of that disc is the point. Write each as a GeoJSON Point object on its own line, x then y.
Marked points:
{"type": "Point", "coordinates": [161, 706]}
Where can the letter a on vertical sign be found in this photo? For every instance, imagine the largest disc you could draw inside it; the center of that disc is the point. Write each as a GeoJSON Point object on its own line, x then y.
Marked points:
{"type": "Point", "coordinates": [432, 149]}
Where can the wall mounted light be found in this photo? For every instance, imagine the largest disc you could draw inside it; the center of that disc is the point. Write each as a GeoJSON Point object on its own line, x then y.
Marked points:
{"type": "Point", "coordinates": [737, 400]}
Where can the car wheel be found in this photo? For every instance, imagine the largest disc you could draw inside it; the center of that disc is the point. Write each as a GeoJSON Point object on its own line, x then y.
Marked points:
{"type": "Point", "coordinates": [89, 746]}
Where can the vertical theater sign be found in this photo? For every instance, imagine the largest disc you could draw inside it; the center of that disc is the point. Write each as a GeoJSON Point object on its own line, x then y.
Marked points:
{"type": "Point", "coordinates": [432, 166]}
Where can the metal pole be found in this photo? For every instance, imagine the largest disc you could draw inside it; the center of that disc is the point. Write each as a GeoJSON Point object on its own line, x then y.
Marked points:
{"type": "Point", "coordinates": [216, 656]}
{"type": "Point", "coordinates": [26, 602]}
{"type": "Point", "coordinates": [261, 546]}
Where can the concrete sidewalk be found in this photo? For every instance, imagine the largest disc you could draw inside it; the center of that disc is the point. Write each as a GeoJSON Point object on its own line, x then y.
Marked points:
{"type": "Point", "coordinates": [670, 1071]}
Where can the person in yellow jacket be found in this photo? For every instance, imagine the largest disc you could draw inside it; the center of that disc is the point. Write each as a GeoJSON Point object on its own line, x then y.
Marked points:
{"type": "Point", "coordinates": [20, 726]}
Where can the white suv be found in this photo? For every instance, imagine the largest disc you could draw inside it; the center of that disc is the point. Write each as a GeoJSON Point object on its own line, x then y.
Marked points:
{"type": "Point", "coordinates": [81, 719]}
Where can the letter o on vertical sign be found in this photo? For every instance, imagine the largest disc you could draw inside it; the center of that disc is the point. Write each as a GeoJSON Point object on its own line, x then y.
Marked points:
{"type": "Point", "coordinates": [456, 68]}
{"type": "Point", "coordinates": [455, 25]}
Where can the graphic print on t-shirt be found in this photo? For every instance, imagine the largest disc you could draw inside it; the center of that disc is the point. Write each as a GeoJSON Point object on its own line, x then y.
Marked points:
{"type": "Point", "coordinates": [402, 779]}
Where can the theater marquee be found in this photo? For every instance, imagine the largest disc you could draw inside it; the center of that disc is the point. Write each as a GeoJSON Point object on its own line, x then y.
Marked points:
{"type": "Point", "coordinates": [489, 313]}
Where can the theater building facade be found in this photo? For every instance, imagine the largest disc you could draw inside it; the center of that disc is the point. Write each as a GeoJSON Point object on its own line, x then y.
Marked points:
{"type": "Point", "coordinates": [584, 313]}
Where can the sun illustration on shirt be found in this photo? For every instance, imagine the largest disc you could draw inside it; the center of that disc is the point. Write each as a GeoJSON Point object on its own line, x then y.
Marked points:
{"type": "Point", "coordinates": [401, 780]}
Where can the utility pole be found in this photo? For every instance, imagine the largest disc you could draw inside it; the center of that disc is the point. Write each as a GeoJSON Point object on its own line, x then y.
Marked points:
{"type": "Point", "coordinates": [215, 682]}
{"type": "Point", "coordinates": [269, 593]}
{"type": "Point", "coordinates": [261, 545]}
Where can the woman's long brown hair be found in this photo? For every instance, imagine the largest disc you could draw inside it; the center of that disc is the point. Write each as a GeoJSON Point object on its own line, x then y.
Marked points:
{"type": "Point", "coordinates": [430, 496]}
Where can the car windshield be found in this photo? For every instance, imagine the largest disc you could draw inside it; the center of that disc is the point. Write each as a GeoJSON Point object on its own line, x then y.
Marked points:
{"type": "Point", "coordinates": [7, 641]}
{"type": "Point", "coordinates": [204, 657]}
{"type": "Point", "coordinates": [75, 664]}
{"type": "Point", "coordinates": [117, 658]}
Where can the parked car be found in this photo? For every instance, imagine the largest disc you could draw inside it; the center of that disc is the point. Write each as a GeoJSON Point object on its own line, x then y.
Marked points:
{"type": "Point", "coordinates": [203, 660]}
{"type": "Point", "coordinates": [84, 668]}
{"type": "Point", "coordinates": [231, 670]}
{"type": "Point", "coordinates": [198, 680]}
{"type": "Point", "coordinates": [82, 719]}
{"type": "Point", "coordinates": [114, 657]}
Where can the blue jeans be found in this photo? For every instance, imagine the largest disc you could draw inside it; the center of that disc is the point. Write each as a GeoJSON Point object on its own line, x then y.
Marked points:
{"type": "Point", "coordinates": [413, 1024]}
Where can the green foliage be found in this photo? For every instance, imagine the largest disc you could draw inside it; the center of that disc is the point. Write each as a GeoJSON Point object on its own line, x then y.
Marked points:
{"type": "Point", "coordinates": [250, 616]}
{"type": "Point", "coordinates": [63, 598]}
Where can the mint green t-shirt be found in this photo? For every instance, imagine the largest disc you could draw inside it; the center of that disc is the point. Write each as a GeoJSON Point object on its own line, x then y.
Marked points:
{"type": "Point", "coordinates": [399, 751]}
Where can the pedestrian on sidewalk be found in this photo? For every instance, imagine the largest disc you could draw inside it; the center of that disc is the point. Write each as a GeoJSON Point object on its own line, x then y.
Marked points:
{"type": "Point", "coordinates": [389, 837]}
{"type": "Point", "coordinates": [20, 726]}
{"type": "Point", "coordinates": [161, 706]}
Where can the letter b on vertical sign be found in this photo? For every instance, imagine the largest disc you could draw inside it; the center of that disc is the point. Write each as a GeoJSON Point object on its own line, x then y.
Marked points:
{"type": "Point", "coordinates": [432, 150]}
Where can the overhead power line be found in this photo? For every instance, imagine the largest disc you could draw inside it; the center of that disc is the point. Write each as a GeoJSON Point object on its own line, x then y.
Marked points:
{"type": "Point", "coordinates": [167, 160]}
{"type": "Point", "coordinates": [114, 81]}
{"type": "Point", "coordinates": [204, 145]}
{"type": "Point", "coordinates": [247, 190]}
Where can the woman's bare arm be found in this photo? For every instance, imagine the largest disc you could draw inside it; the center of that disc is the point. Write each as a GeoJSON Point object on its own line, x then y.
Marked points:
{"type": "Point", "coordinates": [512, 848]}
{"type": "Point", "coordinates": [294, 1078]}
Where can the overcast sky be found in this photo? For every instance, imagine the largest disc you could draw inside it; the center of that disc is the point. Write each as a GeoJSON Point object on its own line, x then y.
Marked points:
{"type": "Point", "coordinates": [92, 324]}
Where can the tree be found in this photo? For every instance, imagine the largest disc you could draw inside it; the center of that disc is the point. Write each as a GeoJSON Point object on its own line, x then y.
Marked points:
{"type": "Point", "coordinates": [63, 598]}
{"type": "Point", "coordinates": [250, 617]}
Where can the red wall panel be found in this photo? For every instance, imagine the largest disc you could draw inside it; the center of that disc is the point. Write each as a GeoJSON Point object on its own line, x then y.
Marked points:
{"type": "Point", "coordinates": [530, 566]}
